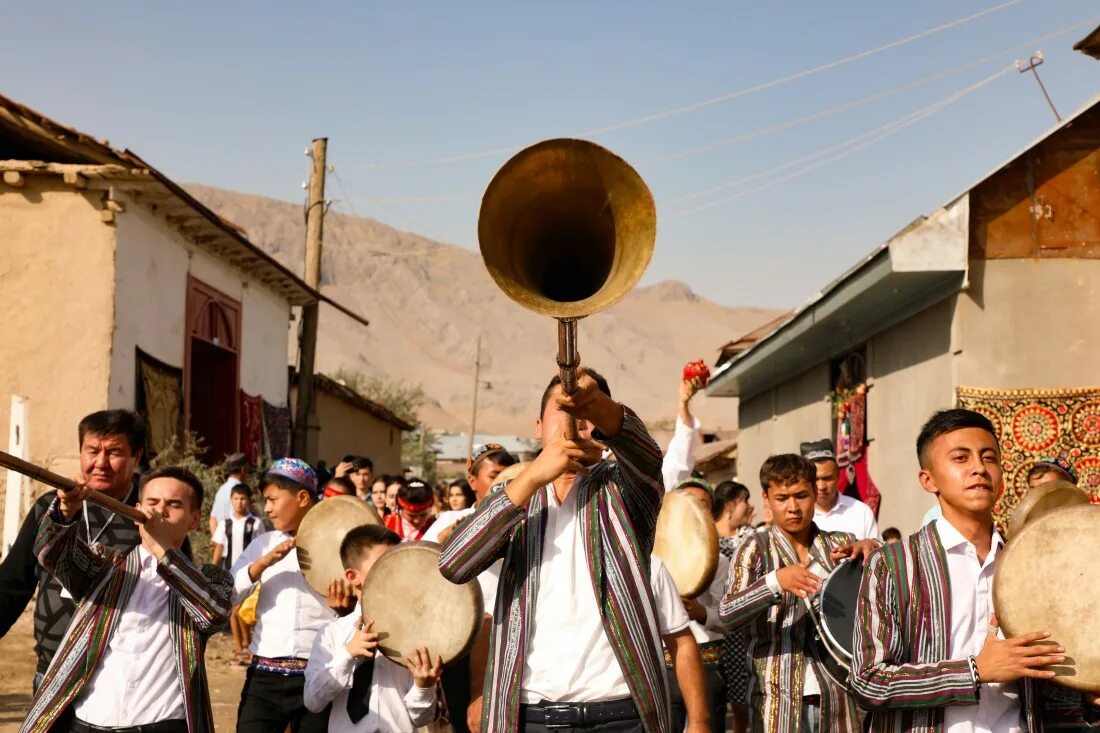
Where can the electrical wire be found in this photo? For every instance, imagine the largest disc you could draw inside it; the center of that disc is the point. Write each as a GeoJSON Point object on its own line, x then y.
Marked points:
{"type": "Point", "coordinates": [713, 100]}
{"type": "Point", "coordinates": [868, 139]}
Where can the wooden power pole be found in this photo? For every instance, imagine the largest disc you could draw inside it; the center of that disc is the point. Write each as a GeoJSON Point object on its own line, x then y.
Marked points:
{"type": "Point", "coordinates": [473, 415]}
{"type": "Point", "coordinates": [305, 419]}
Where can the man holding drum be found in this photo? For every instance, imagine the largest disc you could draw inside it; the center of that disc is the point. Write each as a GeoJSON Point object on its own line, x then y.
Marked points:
{"type": "Point", "coordinates": [771, 577]}
{"type": "Point", "coordinates": [928, 656]}
{"type": "Point", "coordinates": [576, 642]}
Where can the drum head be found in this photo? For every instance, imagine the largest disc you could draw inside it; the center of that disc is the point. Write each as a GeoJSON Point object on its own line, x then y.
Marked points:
{"type": "Point", "coordinates": [1046, 580]}
{"type": "Point", "coordinates": [687, 542]}
{"type": "Point", "coordinates": [839, 593]}
{"type": "Point", "coordinates": [1042, 499]}
{"type": "Point", "coordinates": [320, 534]}
{"type": "Point", "coordinates": [412, 605]}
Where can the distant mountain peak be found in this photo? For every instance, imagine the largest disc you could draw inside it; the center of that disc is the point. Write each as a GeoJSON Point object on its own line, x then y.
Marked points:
{"type": "Point", "coordinates": [669, 290]}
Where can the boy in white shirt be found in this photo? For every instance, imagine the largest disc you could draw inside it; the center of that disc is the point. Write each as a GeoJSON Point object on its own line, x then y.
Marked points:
{"type": "Point", "coordinates": [230, 538]}
{"type": "Point", "coordinates": [368, 693]}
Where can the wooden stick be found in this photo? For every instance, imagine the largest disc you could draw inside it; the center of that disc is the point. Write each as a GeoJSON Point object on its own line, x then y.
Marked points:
{"type": "Point", "coordinates": [42, 475]}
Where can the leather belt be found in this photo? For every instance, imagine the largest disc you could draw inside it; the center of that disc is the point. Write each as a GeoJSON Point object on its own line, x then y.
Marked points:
{"type": "Point", "coordinates": [165, 726]}
{"type": "Point", "coordinates": [579, 714]}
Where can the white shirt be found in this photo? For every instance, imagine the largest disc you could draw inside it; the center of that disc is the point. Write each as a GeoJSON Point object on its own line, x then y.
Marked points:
{"type": "Point", "coordinates": [710, 599]}
{"type": "Point", "coordinates": [238, 523]}
{"type": "Point", "coordinates": [445, 520]}
{"type": "Point", "coordinates": [136, 681]}
{"type": "Point", "coordinates": [289, 613]}
{"type": "Point", "coordinates": [221, 509]}
{"type": "Point", "coordinates": [848, 515]}
{"type": "Point", "coordinates": [671, 616]}
{"type": "Point", "coordinates": [569, 658]}
{"type": "Point", "coordinates": [488, 579]}
{"type": "Point", "coordinates": [397, 705]}
{"type": "Point", "coordinates": [679, 460]}
{"type": "Point", "coordinates": [998, 708]}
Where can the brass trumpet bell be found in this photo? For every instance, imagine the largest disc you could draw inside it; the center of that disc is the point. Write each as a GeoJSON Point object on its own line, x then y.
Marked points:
{"type": "Point", "coordinates": [566, 228]}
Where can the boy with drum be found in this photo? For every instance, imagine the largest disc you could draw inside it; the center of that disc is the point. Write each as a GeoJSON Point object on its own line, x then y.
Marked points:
{"type": "Point", "coordinates": [771, 577]}
{"type": "Point", "coordinates": [367, 691]}
{"type": "Point", "coordinates": [928, 656]}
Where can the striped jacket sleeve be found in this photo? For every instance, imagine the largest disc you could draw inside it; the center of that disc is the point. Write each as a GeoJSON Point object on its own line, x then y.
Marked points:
{"type": "Point", "coordinates": [637, 472]}
{"type": "Point", "coordinates": [61, 551]}
{"type": "Point", "coordinates": [206, 594]}
{"type": "Point", "coordinates": [480, 539]}
{"type": "Point", "coordinates": [882, 676]}
{"type": "Point", "coordinates": [748, 594]}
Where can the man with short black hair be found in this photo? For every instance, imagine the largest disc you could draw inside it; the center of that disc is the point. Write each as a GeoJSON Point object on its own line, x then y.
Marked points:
{"type": "Point", "coordinates": [833, 511]}
{"type": "Point", "coordinates": [133, 658]}
{"type": "Point", "coordinates": [1051, 469]}
{"type": "Point", "coordinates": [111, 443]}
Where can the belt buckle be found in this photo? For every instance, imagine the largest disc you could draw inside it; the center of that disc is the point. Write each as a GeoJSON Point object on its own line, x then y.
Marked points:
{"type": "Point", "coordinates": [559, 715]}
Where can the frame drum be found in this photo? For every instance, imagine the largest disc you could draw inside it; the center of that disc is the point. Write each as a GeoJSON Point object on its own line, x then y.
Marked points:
{"type": "Point", "coordinates": [1042, 499]}
{"type": "Point", "coordinates": [412, 605]}
{"type": "Point", "coordinates": [319, 536]}
{"type": "Point", "coordinates": [1046, 580]}
{"type": "Point", "coordinates": [686, 540]}
{"type": "Point", "coordinates": [833, 610]}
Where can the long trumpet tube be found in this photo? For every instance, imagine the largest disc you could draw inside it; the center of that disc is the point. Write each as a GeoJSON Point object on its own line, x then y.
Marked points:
{"type": "Point", "coordinates": [45, 476]}
{"type": "Point", "coordinates": [568, 361]}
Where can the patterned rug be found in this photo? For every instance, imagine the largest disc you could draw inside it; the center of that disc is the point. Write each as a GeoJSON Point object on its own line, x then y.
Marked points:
{"type": "Point", "coordinates": [1033, 424]}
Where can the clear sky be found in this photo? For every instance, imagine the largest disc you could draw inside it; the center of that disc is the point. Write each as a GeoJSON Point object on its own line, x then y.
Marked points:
{"type": "Point", "coordinates": [230, 94]}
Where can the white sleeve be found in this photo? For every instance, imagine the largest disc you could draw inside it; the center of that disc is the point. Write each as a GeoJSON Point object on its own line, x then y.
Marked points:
{"type": "Point", "coordinates": [420, 701]}
{"type": "Point", "coordinates": [671, 616]}
{"type": "Point", "coordinates": [219, 537]}
{"type": "Point", "coordinates": [242, 584]}
{"type": "Point", "coordinates": [679, 460]}
{"type": "Point", "coordinates": [330, 669]}
{"type": "Point", "coordinates": [871, 525]}
{"type": "Point", "coordinates": [220, 508]}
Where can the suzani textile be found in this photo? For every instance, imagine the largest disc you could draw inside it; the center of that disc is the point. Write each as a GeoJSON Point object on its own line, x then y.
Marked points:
{"type": "Point", "coordinates": [1036, 424]}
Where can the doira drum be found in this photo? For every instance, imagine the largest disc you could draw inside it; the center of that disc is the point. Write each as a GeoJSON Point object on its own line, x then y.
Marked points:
{"type": "Point", "coordinates": [320, 534]}
{"type": "Point", "coordinates": [1042, 499]}
{"type": "Point", "coordinates": [1046, 580]}
{"type": "Point", "coordinates": [833, 610]}
{"type": "Point", "coordinates": [412, 605]}
{"type": "Point", "coordinates": [687, 542]}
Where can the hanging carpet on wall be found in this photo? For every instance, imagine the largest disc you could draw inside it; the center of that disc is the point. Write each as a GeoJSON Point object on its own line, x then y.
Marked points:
{"type": "Point", "coordinates": [252, 427]}
{"type": "Point", "coordinates": [277, 430]}
{"type": "Point", "coordinates": [1033, 424]}
{"type": "Point", "coordinates": [159, 399]}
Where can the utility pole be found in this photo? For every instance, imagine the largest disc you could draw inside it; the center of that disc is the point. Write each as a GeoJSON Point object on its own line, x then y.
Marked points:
{"type": "Point", "coordinates": [477, 383]}
{"type": "Point", "coordinates": [1032, 65]}
{"type": "Point", "coordinates": [305, 421]}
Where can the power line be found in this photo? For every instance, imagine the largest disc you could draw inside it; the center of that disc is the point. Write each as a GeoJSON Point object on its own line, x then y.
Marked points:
{"type": "Point", "coordinates": [863, 100]}
{"type": "Point", "coordinates": [708, 102]}
{"type": "Point", "coordinates": [869, 139]}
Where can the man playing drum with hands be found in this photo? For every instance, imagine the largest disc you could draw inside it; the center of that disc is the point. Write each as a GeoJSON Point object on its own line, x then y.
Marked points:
{"type": "Point", "coordinates": [928, 656]}
{"type": "Point", "coordinates": [367, 691]}
{"type": "Point", "coordinates": [574, 608]}
{"type": "Point", "coordinates": [772, 576]}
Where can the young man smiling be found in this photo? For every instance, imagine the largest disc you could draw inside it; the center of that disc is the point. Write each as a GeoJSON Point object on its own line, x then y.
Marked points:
{"type": "Point", "coordinates": [771, 578]}
{"type": "Point", "coordinates": [928, 656]}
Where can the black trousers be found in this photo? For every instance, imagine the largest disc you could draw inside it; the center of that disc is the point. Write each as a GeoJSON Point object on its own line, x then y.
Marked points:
{"type": "Point", "coordinates": [456, 691]}
{"type": "Point", "coordinates": [716, 700]}
{"type": "Point", "coordinates": [269, 702]}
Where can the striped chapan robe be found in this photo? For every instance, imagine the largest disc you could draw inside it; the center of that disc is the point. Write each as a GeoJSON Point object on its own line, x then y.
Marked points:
{"type": "Point", "coordinates": [779, 633]}
{"type": "Point", "coordinates": [900, 665]}
{"type": "Point", "coordinates": [618, 504]}
{"type": "Point", "coordinates": [101, 582]}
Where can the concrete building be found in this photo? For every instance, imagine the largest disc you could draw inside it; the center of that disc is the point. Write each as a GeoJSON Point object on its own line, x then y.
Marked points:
{"type": "Point", "coordinates": [450, 460]}
{"type": "Point", "coordinates": [120, 290]}
{"type": "Point", "coordinates": [999, 290]}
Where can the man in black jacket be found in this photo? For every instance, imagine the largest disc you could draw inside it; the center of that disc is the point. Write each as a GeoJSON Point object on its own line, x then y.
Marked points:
{"type": "Point", "coordinates": [111, 443]}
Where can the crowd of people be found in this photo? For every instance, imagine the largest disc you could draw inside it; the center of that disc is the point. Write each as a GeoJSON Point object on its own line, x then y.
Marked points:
{"type": "Point", "coordinates": [583, 626]}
